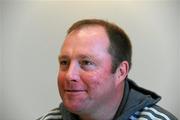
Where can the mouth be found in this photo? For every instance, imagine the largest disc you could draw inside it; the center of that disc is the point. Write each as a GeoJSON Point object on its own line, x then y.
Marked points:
{"type": "Point", "coordinates": [75, 90]}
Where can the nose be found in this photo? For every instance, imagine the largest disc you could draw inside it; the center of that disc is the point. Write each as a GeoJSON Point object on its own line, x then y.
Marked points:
{"type": "Point", "coordinates": [72, 74]}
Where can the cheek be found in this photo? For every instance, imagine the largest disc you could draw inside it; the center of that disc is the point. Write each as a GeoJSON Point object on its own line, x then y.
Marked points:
{"type": "Point", "coordinates": [60, 80]}
{"type": "Point", "coordinates": [93, 80]}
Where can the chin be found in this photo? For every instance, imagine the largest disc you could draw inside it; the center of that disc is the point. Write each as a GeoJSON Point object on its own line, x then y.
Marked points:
{"type": "Point", "coordinates": [73, 106]}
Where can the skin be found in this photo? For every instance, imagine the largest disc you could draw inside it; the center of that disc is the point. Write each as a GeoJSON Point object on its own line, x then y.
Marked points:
{"type": "Point", "coordinates": [86, 83]}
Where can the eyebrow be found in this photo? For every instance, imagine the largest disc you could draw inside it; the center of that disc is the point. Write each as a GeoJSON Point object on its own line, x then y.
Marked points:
{"type": "Point", "coordinates": [62, 57]}
{"type": "Point", "coordinates": [79, 56]}
{"type": "Point", "coordinates": [86, 57]}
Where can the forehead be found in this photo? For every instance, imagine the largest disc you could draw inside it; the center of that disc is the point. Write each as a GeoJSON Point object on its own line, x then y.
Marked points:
{"type": "Point", "coordinates": [90, 31]}
{"type": "Point", "coordinates": [87, 38]}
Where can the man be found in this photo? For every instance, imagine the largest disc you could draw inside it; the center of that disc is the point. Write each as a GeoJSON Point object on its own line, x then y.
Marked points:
{"type": "Point", "coordinates": [94, 63]}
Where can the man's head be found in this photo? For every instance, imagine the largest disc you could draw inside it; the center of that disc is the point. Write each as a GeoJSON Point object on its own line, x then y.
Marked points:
{"type": "Point", "coordinates": [120, 46]}
{"type": "Point", "coordinates": [86, 82]}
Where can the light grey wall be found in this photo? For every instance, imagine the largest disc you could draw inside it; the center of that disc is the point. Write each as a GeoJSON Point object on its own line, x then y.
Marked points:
{"type": "Point", "coordinates": [34, 31]}
{"type": "Point", "coordinates": [1, 67]}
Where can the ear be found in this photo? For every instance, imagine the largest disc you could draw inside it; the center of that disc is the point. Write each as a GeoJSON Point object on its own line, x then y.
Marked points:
{"type": "Point", "coordinates": [122, 71]}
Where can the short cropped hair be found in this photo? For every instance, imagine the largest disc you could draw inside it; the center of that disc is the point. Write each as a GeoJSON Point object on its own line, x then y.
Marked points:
{"type": "Point", "coordinates": [120, 46]}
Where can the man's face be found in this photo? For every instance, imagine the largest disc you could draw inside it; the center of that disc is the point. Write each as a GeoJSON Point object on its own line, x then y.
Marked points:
{"type": "Point", "coordinates": [85, 79]}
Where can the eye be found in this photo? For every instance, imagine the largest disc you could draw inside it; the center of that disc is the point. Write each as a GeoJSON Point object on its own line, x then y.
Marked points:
{"type": "Point", "coordinates": [64, 64]}
{"type": "Point", "coordinates": [86, 62]}
{"type": "Point", "coordinates": [87, 65]}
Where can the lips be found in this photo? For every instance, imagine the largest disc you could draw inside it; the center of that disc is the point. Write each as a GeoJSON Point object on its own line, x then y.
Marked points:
{"type": "Point", "coordinates": [75, 90]}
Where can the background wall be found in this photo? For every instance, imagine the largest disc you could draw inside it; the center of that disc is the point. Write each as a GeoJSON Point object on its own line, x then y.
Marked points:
{"type": "Point", "coordinates": [33, 33]}
{"type": "Point", "coordinates": [1, 68]}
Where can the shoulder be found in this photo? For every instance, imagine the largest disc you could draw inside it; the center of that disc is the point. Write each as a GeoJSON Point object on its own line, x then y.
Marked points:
{"type": "Point", "coordinates": [54, 114]}
{"type": "Point", "coordinates": [153, 113]}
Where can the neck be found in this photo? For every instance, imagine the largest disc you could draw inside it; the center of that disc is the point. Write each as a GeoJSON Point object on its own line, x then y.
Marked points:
{"type": "Point", "coordinates": [106, 112]}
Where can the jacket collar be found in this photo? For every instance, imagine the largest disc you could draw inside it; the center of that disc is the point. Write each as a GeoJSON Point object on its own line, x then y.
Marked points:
{"type": "Point", "coordinates": [135, 98]}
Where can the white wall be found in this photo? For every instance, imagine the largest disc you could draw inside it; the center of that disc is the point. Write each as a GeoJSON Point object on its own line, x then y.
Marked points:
{"type": "Point", "coordinates": [34, 31]}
